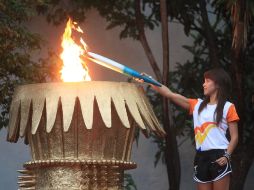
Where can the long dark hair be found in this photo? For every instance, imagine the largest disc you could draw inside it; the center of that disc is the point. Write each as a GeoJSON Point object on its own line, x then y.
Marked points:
{"type": "Point", "coordinates": [223, 81]}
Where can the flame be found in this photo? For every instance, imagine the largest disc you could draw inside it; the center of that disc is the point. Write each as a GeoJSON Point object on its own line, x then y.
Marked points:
{"type": "Point", "coordinates": [74, 68]}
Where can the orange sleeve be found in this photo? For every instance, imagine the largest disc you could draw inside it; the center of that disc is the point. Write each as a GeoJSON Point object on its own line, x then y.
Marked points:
{"type": "Point", "coordinates": [192, 103]}
{"type": "Point", "coordinates": [232, 114]}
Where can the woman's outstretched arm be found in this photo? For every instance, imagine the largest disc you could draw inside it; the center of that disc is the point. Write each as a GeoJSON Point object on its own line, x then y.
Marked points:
{"type": "Point", "coordinates": [178, 99]}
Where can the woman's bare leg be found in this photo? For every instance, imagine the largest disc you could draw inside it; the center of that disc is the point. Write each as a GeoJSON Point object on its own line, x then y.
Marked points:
{"type": "Point", "coordinates": [222, 184]}
{"type": "Point", "coordinates": [204, 186]}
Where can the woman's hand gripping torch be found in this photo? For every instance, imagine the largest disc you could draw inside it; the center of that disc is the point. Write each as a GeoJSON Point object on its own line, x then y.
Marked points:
{"type": "Point", "coordinates": [113, 65]}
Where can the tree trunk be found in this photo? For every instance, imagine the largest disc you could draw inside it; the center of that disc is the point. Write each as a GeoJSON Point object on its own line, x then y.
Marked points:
{"type": "Point", "coordinates": [242, 160]}
{"type": "Point", "coordinates": [143, 40]}
{"type": "Point", "coordinates": [209, 35]}
{"type": "Point", "coordinates": [244, 154]}
{"type": "Point", "coordinates": [171, 152]}
{"type": "Point", "coordinates": [241, 163]}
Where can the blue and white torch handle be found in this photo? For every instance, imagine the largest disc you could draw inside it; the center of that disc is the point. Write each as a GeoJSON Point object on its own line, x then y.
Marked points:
{"type": "Point", "coordinates": [106, 62]}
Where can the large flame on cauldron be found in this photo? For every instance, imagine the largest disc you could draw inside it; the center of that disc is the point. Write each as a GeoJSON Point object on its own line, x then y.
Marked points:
{"type": "Point", "coordinates": [74, 67]}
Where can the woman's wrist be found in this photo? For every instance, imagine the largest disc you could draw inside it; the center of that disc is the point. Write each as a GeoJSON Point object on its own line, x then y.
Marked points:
{"type": "Point", "coordinates": [227, 155]}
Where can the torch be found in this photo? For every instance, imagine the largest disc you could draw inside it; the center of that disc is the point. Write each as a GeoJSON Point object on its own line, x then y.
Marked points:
{"type": "Point", "coordinates": [108, 63]}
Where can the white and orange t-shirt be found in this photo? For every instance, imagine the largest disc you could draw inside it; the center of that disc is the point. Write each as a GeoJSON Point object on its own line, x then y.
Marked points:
{"type": "Point", "coordinates": [207, 134]}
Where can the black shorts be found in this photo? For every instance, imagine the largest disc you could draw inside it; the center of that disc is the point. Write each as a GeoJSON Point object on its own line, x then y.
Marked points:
{"type": "Point", "coordinates": [206, 169]}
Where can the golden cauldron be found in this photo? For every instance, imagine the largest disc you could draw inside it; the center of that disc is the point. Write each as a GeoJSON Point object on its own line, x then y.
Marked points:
{"type": "Point", "coordinates": [80, 133]}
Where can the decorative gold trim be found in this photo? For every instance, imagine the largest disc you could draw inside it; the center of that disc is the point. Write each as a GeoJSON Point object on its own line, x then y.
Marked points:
{"type": "Point", "coordinates": [27, 181]}
{"type": "Point", "coordinates": [29, 102]}
{"type": "Point", "coordinates": [47, 163]}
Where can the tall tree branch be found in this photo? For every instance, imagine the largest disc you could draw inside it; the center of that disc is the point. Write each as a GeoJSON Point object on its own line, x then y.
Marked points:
{"type": "Point", "coordinates": [209, 34]}
{"type": "Point", "coordinates": [165, 42]}
{"type": "Point", "coordinates": [244, 154]}
{"type": "Point", "coordinates": [143, 40]}
{"type": "Point", "coordinates": [239, 16]}
{"type": "Point", "coordinates": [171, 152]}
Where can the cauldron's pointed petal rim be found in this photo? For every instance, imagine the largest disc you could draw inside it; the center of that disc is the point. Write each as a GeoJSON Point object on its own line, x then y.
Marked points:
{"type": "Point", "coordinates": [36, 98]}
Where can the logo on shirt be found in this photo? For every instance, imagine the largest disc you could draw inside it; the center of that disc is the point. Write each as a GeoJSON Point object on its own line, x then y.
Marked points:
{"type": "Point", "coordinates": [202, 131]}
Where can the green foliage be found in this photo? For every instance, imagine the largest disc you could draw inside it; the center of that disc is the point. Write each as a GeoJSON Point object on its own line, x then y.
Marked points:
{"type": "Point", "coordinates": [129, 183]}
{"type": "Point", "coordinates": [230, 3]}
{"type": "Point", "coordinates": [184, 11]}
{"type": "Point", "coordinates": [160, 154]}
{"type": "Point", "coordinates": [248, 87]}
{"type": "Point", "coordinates": [116, 12]}
{"type": "Point", "coordinates": [187, 78]}
{"type": "Point", "coordinates": [16, 47]}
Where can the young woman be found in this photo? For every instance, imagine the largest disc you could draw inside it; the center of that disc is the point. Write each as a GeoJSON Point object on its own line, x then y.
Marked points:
{"type": "Point", "coordinates": [212, 116]}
